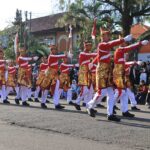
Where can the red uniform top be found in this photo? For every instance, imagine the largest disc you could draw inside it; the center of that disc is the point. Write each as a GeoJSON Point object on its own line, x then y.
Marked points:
{"type": "Point", "coordinates": [84, 58]}
{"type": "Point", "coordinates": [43, 67]}
{"type": "Point", "coordinates": [11, 70]}
{"type": "Point", "coordinates": [104, 50]}
{"type": "Point", "coordinates": [64, 68]}
{"type": "Point", "coordinates": [119, 53]}
{"type": "Point", "coordinates": [53, 60]}
{"type": "Point", "coordinates": [2, 65]}
{"type": "Point", "coordinates": [93, 69]}
{"type": "Point", "coordinates": [23, 61]}
{"type": "Point", "coordinates": [128, 66]}
{"type": "Point", "coordinates": [29, 69]}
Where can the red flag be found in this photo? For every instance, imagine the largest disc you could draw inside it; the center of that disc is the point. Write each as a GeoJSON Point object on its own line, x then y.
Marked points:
{"type": "Point", "coordinates": [93, 34]}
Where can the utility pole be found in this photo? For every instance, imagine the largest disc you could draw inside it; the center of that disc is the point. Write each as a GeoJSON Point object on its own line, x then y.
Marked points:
{"type": "Point", "coordinates": [30, 20]}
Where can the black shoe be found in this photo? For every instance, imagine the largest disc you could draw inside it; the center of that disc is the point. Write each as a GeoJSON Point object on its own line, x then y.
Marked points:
{"type": "Point", "coordinates": [95, 111]}
{"type": "Point", "coordinates": [134, 108]}
{"type": "Point", "coordinates": [84, 104]}
{"type": "Point", "coordinates": [43, 105]}
{"type": "Point", "coordinates": [77, 107]}
{"type": "Point", "coordinates": [91, 112]}
{"type": "Point", "coordinates": [59, 107]}
{"type": "Point", "coordinates": [127, 114]}
{"type": "Point", "coordinates": [114, 112]}
{"type": "Point", "coordinates": [100, 106]}
{"type": "Point", "coordinates": [116, 108]}
{"type": "Point", "coordinates": [71, 103]}
{"type": "Point", "coordinates": [113, 118]}
{"type": "Point", "coordinates": [6, 102]}
{"type": "Point", "coordinates": [30, 99]}
{"type": "Point", "coordinates": [47, 101]}
{"type": "Point", "coordinates": [17, 101]}
{"type": "Point", "coordinates": [25, 104]}
{"type": "Point", "coordinates": [36, 100]}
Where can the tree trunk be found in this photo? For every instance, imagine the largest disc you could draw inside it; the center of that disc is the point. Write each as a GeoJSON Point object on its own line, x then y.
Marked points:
{"type": "Point", "coordinates": [126, 24]}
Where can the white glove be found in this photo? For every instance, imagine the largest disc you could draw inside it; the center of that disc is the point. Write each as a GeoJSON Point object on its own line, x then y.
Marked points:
{"type": "Point", "coordinates": [46, 72]}
{"type": "Point", "coordinates": [90, 65]}
{"type": "Point", "coordinates": [35, 58]}
{"type": "Point", "coordinates": [128, 38]}
{"type": "Point", "coordinates": [70, 55]}
{"type": "Point", "coordinates": [144, 42]}
{"type": "Point", "coordinates": [8, 61]}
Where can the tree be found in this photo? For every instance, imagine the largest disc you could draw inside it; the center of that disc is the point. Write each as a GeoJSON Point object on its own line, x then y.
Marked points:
{"type": "Point", "coordinates": [82, 15]}
{"type": "Point", "coordinates": [127, 10]}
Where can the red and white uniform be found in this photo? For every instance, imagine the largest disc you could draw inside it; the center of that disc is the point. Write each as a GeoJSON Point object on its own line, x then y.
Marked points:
{"type": "Point", "coordinates": [119, 53]}
{"type": "Point", "coordinates": [12, 70]}
{"type": "Point", "coordinates": [104, 50]}
{"type": "Point", "coordinates": [23, 61]}
{"type": "Point", "coordinates": [84, 58]}
{"type": "Point", "coordinates": [53, 60]}
{"type": "Point", "coordinates": [2, 65]}
{"type": "Point", "coordinates": [64, 68]}
{"type": "Point", "coordinates": [129, 92]}
{"type": "Point", "coordinates": [84, 75]}
{"type": "Point", "coordinates": [102, 75]}
{"type": "Point", "coordinates": [43, 67]}
{"type": "Point", "coordinates": [65, 80]}
{"type": "Point", "coordinates": [128, 66]}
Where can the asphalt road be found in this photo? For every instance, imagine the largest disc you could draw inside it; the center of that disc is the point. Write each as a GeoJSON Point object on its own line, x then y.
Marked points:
{"type": "Point", "coordinates": [32, 128]}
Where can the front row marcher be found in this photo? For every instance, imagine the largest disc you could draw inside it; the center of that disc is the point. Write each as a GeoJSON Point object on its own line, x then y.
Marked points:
{"type": "Point", "coordinates": [102, 76]}
{"type": "Point", "coordinates": [2, 77]}
{"type": "Point", "coordinates": [24, 80]}
{"type": "Point", "coordinates": [48, 79]}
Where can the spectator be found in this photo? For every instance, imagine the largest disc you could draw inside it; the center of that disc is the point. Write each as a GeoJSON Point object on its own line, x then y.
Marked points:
{"type": "Point", "coordinates": [142, 93]}
{"type": "Point", "coordinates": [148, 97]}
{"type": "Point", "coordinates": [143, 76]}
{"type": "Point", "coordinates": [75, 89]}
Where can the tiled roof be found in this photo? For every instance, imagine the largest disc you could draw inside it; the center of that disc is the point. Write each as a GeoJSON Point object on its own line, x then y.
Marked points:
{"type": "Point", "coordinates": [45, 23]}
{"type": "Point", "coordinates": [138, 29]}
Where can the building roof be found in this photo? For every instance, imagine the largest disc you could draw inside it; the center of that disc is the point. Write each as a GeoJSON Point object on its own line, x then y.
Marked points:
{"type": "Point", "coordinates": [145, 49]}
{"type": "Point", "coordinates": [138, 29]}
{"type": "Point", "coordinates": [45, 23]}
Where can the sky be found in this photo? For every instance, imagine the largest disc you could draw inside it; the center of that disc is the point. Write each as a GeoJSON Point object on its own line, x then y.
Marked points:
{"type": "Point", "coordinates": [37, 7]}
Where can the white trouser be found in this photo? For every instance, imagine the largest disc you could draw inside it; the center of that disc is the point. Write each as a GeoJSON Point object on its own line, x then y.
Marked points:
{"type": "Point", "coordinates": [18, 94]}
{"type": "Point", "coordinates": [29, 93]}
{"type": "Point", "coordinates": [82, 95]}
{"type": "Point", "coordinates": [36, 94]}
{"type": "Point", "coordinates": [3, 93]}
{"type": "Point", "coordinates": [56, 95]}
{"type": "Point", "coordinates": [44, 96]}
{"type": "Point", "coordinates": [97, 98]}
{"type": "Point", "coordinates": [23, 90]}
{"type": "Point", "coordinates": [69, 94]}
{"type": "Point", "coordinates": [123, 99]}
{"type": "Point", "coordinates": [110, 100]}
{"type": "Point", "coordinates": [90, 94]}
{"type": "Point", "coordinates": [131, 97]}
{"type": "Point", "coordinates": [8, 90]}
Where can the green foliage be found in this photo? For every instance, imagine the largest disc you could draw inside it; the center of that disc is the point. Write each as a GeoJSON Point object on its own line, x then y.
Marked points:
{"type": "Point", "coordinates": [9, 53]}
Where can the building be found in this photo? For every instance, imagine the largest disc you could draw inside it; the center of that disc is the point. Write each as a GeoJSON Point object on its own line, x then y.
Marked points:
{"type": "Point", "coordinates": [45, 29]}
{"type": "Point", "coordinates": [143, 31]}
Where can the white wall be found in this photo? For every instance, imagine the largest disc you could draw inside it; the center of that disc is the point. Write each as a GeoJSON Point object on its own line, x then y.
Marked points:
{"type": "Point", "coordinates": [144, 56]}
